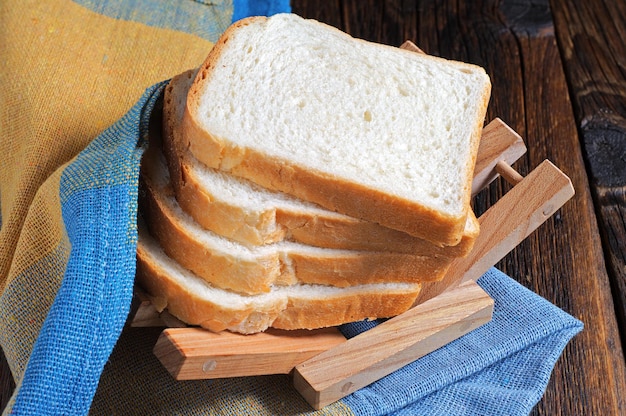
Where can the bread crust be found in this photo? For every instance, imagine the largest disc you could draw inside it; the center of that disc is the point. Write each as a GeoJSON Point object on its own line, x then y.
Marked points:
{"type": "Point", "coordinates": [231, 221]}
{"type": "Point", "coordinates": [188, 306]}
{"type": "Point", "coordinates": [333, 311]}
{"type": "Point", "coordinates": [333, 193]}
{"type": "Point", "coordinates": [354, 234]}
{"type": "Point", "coordinates": [280, 266]}
{"type": "Point", "coordinates": [277, 224]}
{"type": "Point", "coordinates": [240, 275]}
{"type": "Point", "coordinates": [284, 313]}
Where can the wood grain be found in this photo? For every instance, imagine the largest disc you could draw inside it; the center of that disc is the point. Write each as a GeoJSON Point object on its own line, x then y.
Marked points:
{"type": "Point", "coordinates": [375, 353]}
{"type": "Point", "coordinates": [7, 385]}
{"type": "Point", "coordinates": [591, 36]}
{"type": "Point", "coordinates": [506, 224]}
{"type": "Point", "coordinates": [564, 261]}
{"type": "Point", "coordinates": [195, 353]}
{"type": "Point", "coordinates": [499, 144]}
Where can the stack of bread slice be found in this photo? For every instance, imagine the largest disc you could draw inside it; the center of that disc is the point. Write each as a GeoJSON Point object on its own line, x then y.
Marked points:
{"type": "Point", "coordinates": [307, 179]}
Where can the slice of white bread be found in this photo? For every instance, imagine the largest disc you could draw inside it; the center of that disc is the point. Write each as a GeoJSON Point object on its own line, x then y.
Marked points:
{"type": "Point", "coordinates": [229, 265]}
{"type": "Point", "coordinates": [368, 130]}
{"type": "Point", "coordinates": [196, 302]}
{"type": "Point", "coordinates": [245, 212]}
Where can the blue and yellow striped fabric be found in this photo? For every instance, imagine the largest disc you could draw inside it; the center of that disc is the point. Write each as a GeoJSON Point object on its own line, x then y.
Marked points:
{"type": "Point", "coordinates": [79, 81]}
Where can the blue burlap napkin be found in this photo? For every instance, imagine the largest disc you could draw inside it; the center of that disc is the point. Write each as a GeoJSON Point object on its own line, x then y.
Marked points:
{"type": "Point", "coordinates": [84, 351]}
{"type": "Point", "coordinates": [99, 202]}
{"type": "Point", "coordinates": [501, 368]}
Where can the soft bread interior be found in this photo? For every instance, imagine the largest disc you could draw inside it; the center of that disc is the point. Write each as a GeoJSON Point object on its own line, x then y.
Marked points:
{"type": "Point", "coordinates": [230, 265]}
{"type": "Point", "coordinates": [353, 113]}
{"type": "Point", "coordinates": [257, 202]}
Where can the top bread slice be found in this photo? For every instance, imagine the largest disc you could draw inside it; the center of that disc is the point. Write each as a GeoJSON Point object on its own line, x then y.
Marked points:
{"type": "Point", "coordinates": [368, 130]}
{"type": "Point", "coordinates": [251, 215]}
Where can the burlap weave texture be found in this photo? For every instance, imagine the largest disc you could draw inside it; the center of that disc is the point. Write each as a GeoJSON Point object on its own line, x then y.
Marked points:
{"type": "Point", "coordinates": [78, 82]}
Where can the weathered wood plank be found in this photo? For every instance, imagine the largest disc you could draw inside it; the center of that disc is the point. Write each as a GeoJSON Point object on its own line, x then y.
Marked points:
{"type": "Point", "coordinates": [514, 40]}
{"type": "Point", "coordinates": [591, 35]}
{"type": "Point", "coordinates": [548, 262]}
{"type": "Point", "coordinates": [578, 283]}
{"type": "Point", "coordinates": [7, 385]}
{"type": "Point", "coordinates": [328, 11]}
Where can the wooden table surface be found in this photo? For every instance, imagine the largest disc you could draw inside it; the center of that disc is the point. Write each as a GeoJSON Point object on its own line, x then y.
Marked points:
{"type": "Point", "coordinates": [558, 70]}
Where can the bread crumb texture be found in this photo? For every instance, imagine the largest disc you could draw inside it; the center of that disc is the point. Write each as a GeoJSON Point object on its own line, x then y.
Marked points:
{"type": "Point", "coordinates": [393, 120]}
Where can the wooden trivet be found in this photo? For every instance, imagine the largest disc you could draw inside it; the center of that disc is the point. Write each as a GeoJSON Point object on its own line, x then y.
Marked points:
{"type": "Point", "coordinates": [326, 366]}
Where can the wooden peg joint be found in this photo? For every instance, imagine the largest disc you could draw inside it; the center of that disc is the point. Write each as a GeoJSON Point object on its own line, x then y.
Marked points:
{"type": "Point", "coordinates": [508, 173]}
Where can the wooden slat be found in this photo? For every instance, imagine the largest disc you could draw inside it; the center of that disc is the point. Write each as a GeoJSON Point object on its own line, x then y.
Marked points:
{"type": "Point", "coordinates": [503, 145]}
{"type": "Point", "coordinates": [375, 353]}
{"type": "Point", "coordinates": [195, 353]}
{"type": "Point", "coordinates": [338, 372]}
